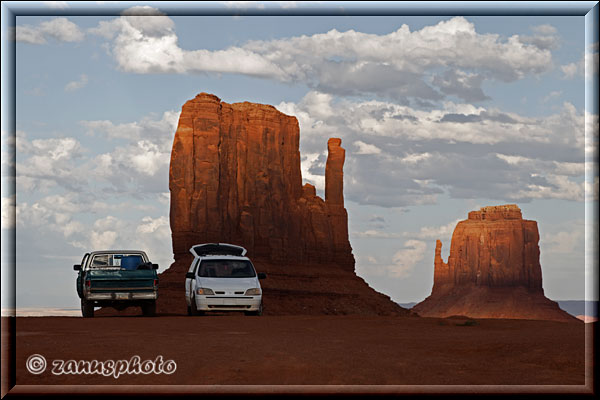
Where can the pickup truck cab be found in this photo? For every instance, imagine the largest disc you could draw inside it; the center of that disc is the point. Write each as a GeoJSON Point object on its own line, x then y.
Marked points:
{"type": "Point", "coordinates": [222, 278]}
{"type": "Point", "coordinates": [118, 279]}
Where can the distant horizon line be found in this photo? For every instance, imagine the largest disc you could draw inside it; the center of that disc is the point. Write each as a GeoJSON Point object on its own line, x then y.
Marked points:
{"type": "Point", "coordinates": [75, 311]}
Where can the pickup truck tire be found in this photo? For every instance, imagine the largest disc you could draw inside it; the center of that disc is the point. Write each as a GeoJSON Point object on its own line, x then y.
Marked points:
{"type": "Point", "coordinates": [149, 309]}
{"type": "Point", "coordinates": [87, 309]}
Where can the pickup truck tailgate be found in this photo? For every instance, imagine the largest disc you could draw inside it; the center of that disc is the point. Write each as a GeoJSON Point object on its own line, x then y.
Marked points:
{"type": "Point", "coordinates": [138, 280]}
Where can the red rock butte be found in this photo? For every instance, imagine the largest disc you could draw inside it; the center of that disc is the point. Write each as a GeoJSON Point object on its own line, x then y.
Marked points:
{"type": "Point", "coordinates": [235, 177]}
{"type": "Point", "coordinates": [493, 270]}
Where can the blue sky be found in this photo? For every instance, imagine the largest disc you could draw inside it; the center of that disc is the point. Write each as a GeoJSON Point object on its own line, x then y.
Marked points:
{"type": "Point", "coordinates": [439, 117]}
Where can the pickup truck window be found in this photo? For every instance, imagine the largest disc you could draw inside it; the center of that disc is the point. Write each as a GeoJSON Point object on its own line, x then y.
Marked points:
{"type": "Point", "coordinates": [119, 261]}
{"type": "Point", "coordinates": [226, 269]}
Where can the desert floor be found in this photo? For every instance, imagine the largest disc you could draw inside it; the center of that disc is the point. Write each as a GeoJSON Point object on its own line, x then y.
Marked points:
{"type": "Point", "coordinates": [308, 350]}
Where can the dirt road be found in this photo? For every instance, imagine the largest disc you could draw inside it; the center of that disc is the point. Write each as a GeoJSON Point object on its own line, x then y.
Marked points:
{"type": "Point", "coordinates": [308, 350]}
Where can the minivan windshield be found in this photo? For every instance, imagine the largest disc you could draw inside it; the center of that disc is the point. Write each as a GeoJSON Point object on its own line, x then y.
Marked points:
{"type": "Point", "coordinates": [226, 269]}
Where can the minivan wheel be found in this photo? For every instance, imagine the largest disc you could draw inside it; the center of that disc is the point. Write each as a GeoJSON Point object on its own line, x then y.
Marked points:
{"type": "Point", "coordinates": [87, 308]}
{"type": "Point", "coordinates": [257, 312]}
{"type": "Point", "coordinates": [193, 310]}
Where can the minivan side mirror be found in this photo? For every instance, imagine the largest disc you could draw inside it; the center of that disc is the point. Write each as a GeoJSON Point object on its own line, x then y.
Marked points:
{"type": "Point", "coordinates": [189, 275]}
{"type": "Point", "coordinates": [262, 275]}
{"type": "Point", "coordinates": [77, 267]}
{"type": "Point", "coordinates": [154, 266]}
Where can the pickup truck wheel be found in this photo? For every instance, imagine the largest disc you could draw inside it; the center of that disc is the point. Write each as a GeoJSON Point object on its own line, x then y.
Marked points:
{"type": "Point", "coordinates": [149, 309]}
{"type": "Point", "coordinates": [87, 309]}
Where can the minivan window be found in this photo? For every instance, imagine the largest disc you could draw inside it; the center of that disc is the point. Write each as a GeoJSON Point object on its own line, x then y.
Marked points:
{"type": "Point", "coordinates": [226, 269]}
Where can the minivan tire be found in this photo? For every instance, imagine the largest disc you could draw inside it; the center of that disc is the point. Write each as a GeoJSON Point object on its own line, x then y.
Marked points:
{"type": "Point", "coordinates": [257, 312]}
{"type": "Point", "coordinates": [193, 310]}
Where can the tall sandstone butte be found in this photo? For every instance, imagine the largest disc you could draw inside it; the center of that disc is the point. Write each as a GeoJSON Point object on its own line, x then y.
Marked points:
{"type": "Point", "coordinates": [493, 270]}
{"type": "Point", "coordinates": [235, 177]}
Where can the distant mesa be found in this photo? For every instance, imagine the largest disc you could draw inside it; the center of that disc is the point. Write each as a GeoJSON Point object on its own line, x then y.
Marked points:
{"type": "Point", "coordinates": [235, 177]}
{"type": "Point", "coordinates": [493, 270]}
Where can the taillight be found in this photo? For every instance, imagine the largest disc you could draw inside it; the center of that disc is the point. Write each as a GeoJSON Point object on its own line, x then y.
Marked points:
{"type": "Point", "coordinates": [88, 283]}
{"type": "Point", "coordinates": [156, 282]}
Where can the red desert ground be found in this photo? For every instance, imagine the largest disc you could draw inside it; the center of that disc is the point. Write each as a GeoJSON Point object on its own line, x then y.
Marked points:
{"type": "Point", "coordinates": [235, 178]}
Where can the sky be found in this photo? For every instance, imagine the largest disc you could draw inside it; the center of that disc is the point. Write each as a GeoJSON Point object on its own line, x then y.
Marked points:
{"type": "Point", "coordinates": [439, 116]}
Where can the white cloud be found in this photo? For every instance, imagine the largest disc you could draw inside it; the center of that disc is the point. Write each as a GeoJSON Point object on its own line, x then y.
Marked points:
{"type": "Point", "coordinates": [60, 29]}
{"type": "Point", "coordinates": [586, 66]}
{"type": "Point", "coordinates": [570, 168]}
{"type": "Point", "coordinates": [160, 131]}
{"type": "Point", "coordinates": [420, 153]}
{"type": "Point", "coordinates": [139, 166]}
{"type": "Point", "coordinates": [102, 240]}
{"type": "Point", "coordinates": [165, 198]}
{"type": "Point", "coordinates": [150, 234]}
{"type": "Point", "coordinates": [77, 84]}
{"type": "Point", "coordinates": [150, 225]}
{"type": "Point", "coordinates": [451, 122]}
{"type": "Point", "coordinates": [373, 233]}
{"type": "Point", "coordinates": [461, 84]}
{"type": "Point", "coordinates": [372, 260]}
{"type": "Point", "coordinates": [544, 37]}
{"type": "Point", "coordinates": [49, 215]}
{"type": "Point", "coordinates": [442, 232]}
{"type": "Point", "coordinates": [415, 158]}
{"type": "Point", "coordinates": [45, 163]}
{"type": "Point", "coordinates": [401, 266]}
{"type": "Point", "coordinates": [404, 260]}
{"type": "Point", "coordinates": [552, 178]}
{"type": "Point", "coordinates": [149, 158]}
{"type": "Point", "coordinates": [564, 241]}
{"type": "Point", "coordinates": [365, 148]}
{"type": "Point", "coordinates": [572, 69]}
{"type": "Point", "coordinates": [557, 187]}
{"type": "Point", "coordinates": [306, 163]}
{"type": "Point", "coordinates": [397, 64]}
{"type": "Point", "coordinates": [545, 29]}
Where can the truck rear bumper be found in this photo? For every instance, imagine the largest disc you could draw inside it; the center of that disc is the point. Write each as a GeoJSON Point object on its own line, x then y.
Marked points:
{"type": "Point", "coordinates": [121, 295]}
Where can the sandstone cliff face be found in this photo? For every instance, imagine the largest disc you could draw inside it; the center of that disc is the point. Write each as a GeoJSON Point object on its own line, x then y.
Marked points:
{"type": "Point", "coordinates": [493, 270]}
{"type": "Point", "coordinates": [235, 177]}
{"type": "Point", "coordinates": [496, 247]}
{"type": "Point", "coordinates": [235, 174]}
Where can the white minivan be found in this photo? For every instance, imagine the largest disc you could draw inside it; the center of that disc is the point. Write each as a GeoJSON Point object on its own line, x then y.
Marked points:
{"type": "Point", "coordinates": [222, 278]}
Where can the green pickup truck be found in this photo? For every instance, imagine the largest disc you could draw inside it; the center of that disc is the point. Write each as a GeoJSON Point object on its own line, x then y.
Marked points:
{"type": "Point", "coordinates": [119, 279]}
